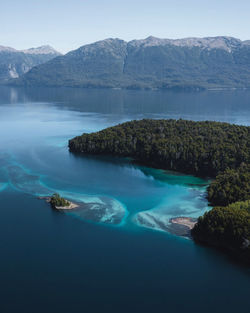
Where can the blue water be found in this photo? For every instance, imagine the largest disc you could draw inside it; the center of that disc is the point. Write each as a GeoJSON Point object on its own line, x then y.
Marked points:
{"type": "Point", "coordinates": [101, 260]}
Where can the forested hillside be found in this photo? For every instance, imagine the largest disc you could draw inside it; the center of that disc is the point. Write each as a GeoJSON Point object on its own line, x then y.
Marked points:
{"type": "Point", "coordinates": [15, 63]}
{"type": "Point", "coordinates": [227, 228]}
{"type": "Point", "coordinates": [218, 150]}
{"type": "Point", "coordinates": [199, 148]}
{"type": "Point", "coordinates": [191, 63]}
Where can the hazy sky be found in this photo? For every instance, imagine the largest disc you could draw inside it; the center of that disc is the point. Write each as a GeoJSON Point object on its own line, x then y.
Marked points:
{"type": "Point", "coordinates": [68, 24]}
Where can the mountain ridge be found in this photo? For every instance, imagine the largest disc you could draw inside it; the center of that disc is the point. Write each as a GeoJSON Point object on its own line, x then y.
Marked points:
{"type": "Point", "coordinates": [220, 42]}
{"type": "Point", "coordinates": [44, 49]}
{"type": "Point", "coordinates": [189, 63]}
{"type": "Point", "coordinates": [14, 63]}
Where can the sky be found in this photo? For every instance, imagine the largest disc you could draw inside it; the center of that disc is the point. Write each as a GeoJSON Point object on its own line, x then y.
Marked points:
{"type": "Point", "coordinates": [69, 24]}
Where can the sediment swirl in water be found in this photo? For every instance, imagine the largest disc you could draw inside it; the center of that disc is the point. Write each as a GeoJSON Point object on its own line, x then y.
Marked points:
{"type": "Point", "coordinates": [95, 208]}
{"type": "Point", "coordinates": [162, 217]}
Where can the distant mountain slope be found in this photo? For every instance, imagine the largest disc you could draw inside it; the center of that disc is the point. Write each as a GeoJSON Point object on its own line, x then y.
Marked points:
{"type": "Point", "coordinates": [14, 63]}
{"type": "Point", "coordinates": [216, 62]}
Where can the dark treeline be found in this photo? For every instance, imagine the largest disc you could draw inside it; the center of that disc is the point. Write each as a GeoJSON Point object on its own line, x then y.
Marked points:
{"type": "Point", "coordinates": [226, 227]}
{"type": "Point", "coordinates": [198, 148]}
{"type": "Point", "coordinates": [230, 186]}
{"type": "Point", "coordinates": [57, 201]}
{"type": "Point", "coordinates": [217, 150]}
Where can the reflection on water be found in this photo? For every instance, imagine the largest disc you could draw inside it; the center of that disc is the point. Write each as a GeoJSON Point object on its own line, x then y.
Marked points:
{"type": "Point", "coordinates": [38, 122]}
{"type": "Point", "coordinates": [45, 255]}
{"type": "Point", "coordinates": [118, 105]}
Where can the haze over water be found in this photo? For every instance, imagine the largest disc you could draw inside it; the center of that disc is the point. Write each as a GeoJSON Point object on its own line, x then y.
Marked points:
{"type": "Point", "coordinates": [55, 262]}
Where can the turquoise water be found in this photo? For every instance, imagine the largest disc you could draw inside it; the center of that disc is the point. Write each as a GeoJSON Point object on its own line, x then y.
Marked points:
{"type": "Point", "coordinates": [97, 258]}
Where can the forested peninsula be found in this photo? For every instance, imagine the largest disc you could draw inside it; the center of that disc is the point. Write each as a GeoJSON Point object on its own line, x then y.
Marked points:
{"type": "Point", "coordinates": [217, 150]}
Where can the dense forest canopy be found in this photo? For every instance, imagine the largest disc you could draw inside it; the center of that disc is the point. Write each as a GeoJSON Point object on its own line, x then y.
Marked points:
{"type": "Point", "coordinates": [227, 227]}
{"type": "Point", "coordinates": [230, 186]}
{"type": "Point", "coordinates": [57, 201]}
{"type": "Point", "coordinates": [245, 205]}
{"type": "Point", "coordinates": [199, 148]}
{"type": "Point", "coordinates": [218, 150]}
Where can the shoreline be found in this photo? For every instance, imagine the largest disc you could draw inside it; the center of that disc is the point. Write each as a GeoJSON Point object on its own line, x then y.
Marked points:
{"type": "Point", "coordinates": [184, 221]}
{"type": "Point", "coordinates": [71, 205]}
{"type": "Point", "coordinates": [179, 226]}
{"type": "Point", "coordinates": [181, 88]}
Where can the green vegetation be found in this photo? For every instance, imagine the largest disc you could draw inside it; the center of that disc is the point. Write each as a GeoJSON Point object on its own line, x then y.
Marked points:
{"type": "Point", "coordinates": [230, 186]}
{"type": "Point", "coordinates": [217, 150]}
{"type": "Point", "coordinates": [226, 227]}
{"type": "Point", "coordinates": [244, 205]}
{"type": "Point", "coordinates": [16, 63]}
{"type": "Point", "coordinates": [198, 148]}
{"type": "Point", "coordinates": [57, 201]}
{"type": "Point", "coordinates": [115, 63]}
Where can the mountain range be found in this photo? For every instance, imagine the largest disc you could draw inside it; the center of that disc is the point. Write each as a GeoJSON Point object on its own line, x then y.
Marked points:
{"type": "Point", "coordinates": [14, 63]}
{"type": "Point", "coordinates": [190, 63]}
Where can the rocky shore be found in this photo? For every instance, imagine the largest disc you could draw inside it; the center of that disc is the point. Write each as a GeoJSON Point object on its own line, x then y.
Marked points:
{"type": "Point", "coordinates": [189, 222]}
{"type": "Point", "coordinates": [97, 209]}
{"type": "Point", "coordinates": [71, 205]}
{"type": "Point", "coordinates": [179, 226]}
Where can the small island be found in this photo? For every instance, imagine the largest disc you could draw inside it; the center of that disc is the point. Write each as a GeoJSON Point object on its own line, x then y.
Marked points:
{"type": "Point", "coordinates": [59, 203]}
{"type": "Point", "coordinates": [220, 151]}
{"type": "Point", "coordinates": [99, 209]}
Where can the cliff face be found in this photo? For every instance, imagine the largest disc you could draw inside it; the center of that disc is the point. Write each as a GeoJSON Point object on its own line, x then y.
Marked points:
{"type": "Point", "coordinates": [14, 63]}
{"type": "Point", "coordinates": [217, 62]}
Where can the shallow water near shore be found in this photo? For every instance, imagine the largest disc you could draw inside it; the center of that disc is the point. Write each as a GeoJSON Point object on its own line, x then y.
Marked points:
{"type": "Point", "coordinates": [99, 255]}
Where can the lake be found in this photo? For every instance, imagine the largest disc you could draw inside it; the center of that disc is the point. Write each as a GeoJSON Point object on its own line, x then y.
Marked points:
{"type": "Point", "coordinates": [100, 259]}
